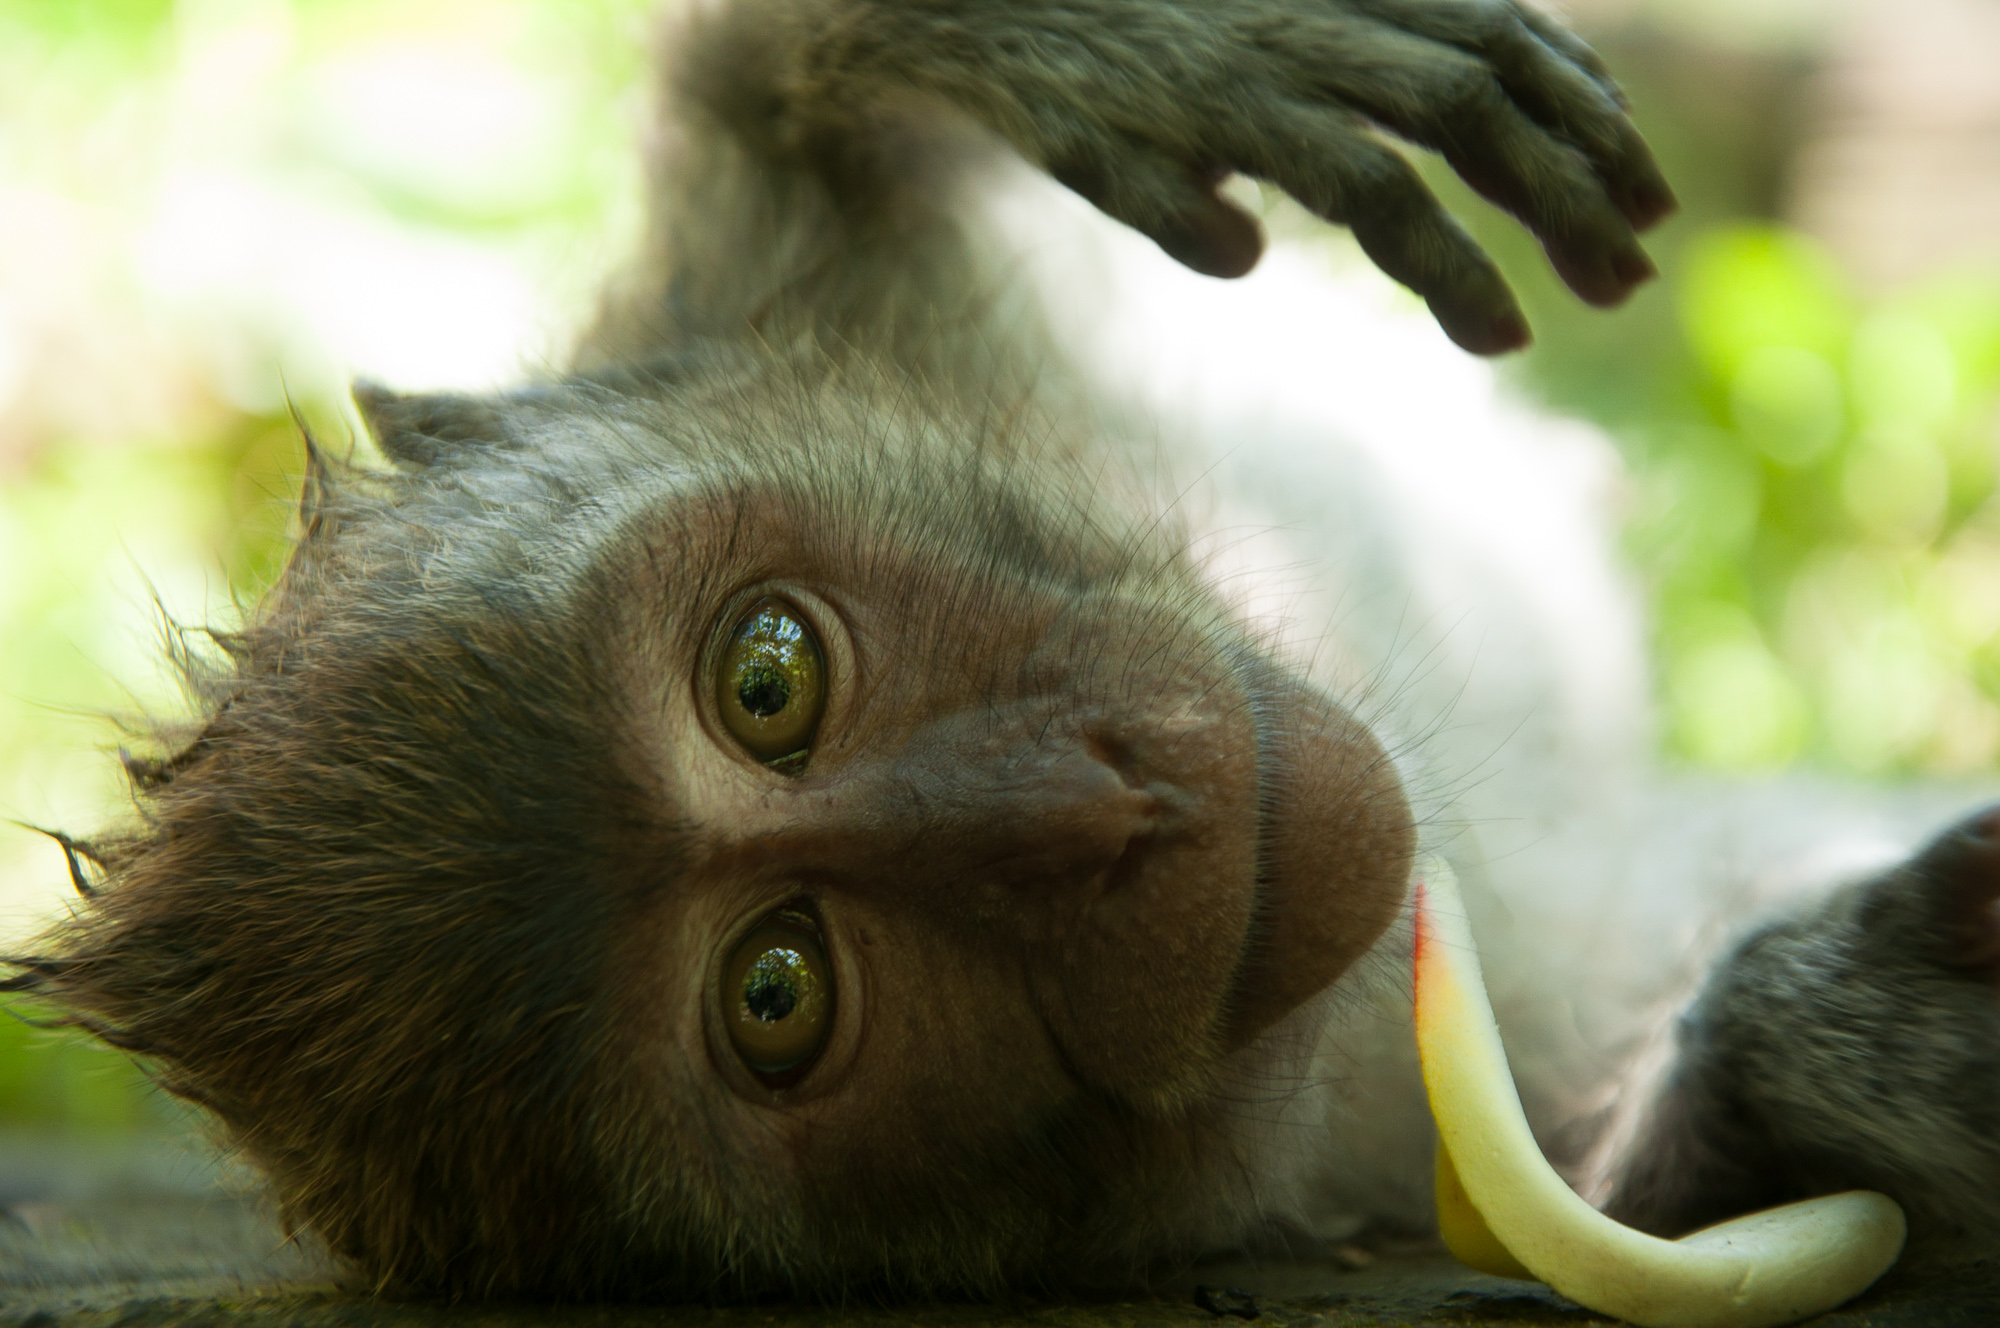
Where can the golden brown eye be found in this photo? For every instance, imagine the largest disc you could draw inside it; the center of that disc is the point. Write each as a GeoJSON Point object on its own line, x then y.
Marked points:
{"type": "Point", "coordinates": [771, 684]}
{"type": "Point", "coordinates": [777, 999]}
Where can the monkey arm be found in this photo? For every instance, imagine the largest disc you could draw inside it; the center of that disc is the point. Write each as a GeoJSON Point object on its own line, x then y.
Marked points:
{"type": "Point", "coordinates": [805, 171]}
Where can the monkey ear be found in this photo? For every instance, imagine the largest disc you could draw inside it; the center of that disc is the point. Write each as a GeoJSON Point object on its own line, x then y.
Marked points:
{"type": "Point", "coordinates": [423, 429]}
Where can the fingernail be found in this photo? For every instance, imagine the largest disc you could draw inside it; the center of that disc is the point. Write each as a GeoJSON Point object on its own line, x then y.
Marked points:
{"type": "Point", "coordinates": [1223, 242]}
{"type": "Point", "coordinates": [1632, 267]}
{"type": "Point", "coordinates": [1591, 274]}
{"type": "Point", "coordinates": [1652, 203]}
{"type": "Point", "coordinates": [1511, 332]}
{"type": "Point", "coordinates": [1486, 336]}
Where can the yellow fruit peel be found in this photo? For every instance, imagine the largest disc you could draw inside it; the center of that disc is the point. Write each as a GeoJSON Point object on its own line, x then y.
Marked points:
{"type": "Point", "coordinates": [1465, 1232]}
{"type": "Point", "coordinates": [1504, 1210]}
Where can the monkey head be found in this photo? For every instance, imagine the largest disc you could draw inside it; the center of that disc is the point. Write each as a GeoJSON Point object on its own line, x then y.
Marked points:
{"type": "Point", "coordinates": [679, 839]}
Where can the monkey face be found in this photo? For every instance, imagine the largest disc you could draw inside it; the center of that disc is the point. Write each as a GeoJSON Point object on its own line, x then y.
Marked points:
{"type": "Point", "coordinates": [652, 843]}
{"type": "Point", "coordinates": [1045, 838]}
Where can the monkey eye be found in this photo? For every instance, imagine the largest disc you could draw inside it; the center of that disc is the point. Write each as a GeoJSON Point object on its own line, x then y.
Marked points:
{"type": "Point", "coordinates": [770, 684]}
{"type": "Point", "coordinates": [776, 994]}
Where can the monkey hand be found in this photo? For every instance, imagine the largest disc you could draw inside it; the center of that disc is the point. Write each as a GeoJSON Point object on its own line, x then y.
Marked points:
{"type": "Point", "coordinates": [1857, 1046]}
{"type": "Point", "coordinates": [1143, 106]}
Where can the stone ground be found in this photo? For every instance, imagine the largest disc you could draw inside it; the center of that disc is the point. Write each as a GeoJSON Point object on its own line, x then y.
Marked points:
{"type": "Point", "coordinates": [128, 1236]}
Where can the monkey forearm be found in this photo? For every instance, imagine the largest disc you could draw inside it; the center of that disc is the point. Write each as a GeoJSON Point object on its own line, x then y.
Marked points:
{"type": "Point", "coordinates": [789, 206]}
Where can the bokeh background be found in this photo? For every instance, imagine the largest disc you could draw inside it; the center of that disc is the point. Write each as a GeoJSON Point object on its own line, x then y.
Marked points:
{"type": "Point", "coordinates": [213, 212]}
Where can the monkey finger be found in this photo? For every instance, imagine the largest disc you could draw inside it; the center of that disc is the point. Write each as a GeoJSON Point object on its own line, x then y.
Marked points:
{"type": "Point", "coordinates": [1570, 46]}
{"type": "Point", "coordinates": [1453, 102]}
{"type": "Point", "coordinates": [1174, 206]}
{"type": "Point", "coordinates": [1564, 99]}
{"type": "Point", "coordinates": [1550, 187]}
{"type": "Point", "coordinates": [1354, 179]}
{"type": "Point", "coordinates": [1470, 25]}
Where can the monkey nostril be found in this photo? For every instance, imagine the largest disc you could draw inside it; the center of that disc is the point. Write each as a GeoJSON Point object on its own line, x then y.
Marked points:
{"type": "Point", "coordinates": [1129, 863]}
{"type": "Point", "coordinates": [1109, 814]}
{"type": "Point", "coordinates": [1105, 826]}
{"type": "Point", "coordinates": [1115, 754]}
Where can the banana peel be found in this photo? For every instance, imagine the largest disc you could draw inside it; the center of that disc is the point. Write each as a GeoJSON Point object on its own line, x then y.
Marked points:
{"type": "Point", "coordinates": [1502, 1209]}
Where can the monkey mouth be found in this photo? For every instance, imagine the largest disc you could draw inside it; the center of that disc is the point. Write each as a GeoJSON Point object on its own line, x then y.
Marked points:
{"type": "Point", "coordinates": [1334, 845]}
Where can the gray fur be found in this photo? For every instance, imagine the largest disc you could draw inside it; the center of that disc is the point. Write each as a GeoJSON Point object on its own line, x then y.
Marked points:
{"type": "Point", "coordinates": [1856, 1044]}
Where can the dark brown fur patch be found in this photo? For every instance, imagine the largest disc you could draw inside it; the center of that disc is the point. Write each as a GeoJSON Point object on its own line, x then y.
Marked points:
{"type": "Point", "coordinates": [363, 918]}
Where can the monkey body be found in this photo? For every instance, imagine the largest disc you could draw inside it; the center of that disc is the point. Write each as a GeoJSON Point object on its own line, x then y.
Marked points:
{"type": "Point", "coordinates": [798, 805]}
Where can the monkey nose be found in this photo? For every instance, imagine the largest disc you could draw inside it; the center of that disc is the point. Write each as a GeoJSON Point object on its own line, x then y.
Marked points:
{"type": "Point", "coordinates": [1044, 817]}
{"type": "Point", "coordinates": [950, 819]}
{"type": "Point", "coordinates": [1003, 803]}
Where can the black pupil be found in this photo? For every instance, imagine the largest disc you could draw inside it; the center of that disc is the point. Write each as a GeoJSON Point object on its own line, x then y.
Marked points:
{"type": "Point", "coordinates": [763, 690]}
{"type": "Point", "coordinates": [769, 989]}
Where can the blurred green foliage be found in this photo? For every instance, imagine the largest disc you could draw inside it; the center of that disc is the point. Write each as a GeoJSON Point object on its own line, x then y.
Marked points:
{"type": "Point", "coordinates": [1816, 515]}
{"type": "Point", "coordinates": [59, 1080]}
{"type": "Point", "coordinates": [1813, 508]}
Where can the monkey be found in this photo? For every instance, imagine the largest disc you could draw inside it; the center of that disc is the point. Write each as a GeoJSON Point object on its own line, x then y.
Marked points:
{"type": "Point", "coordinates": [788, 807]}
